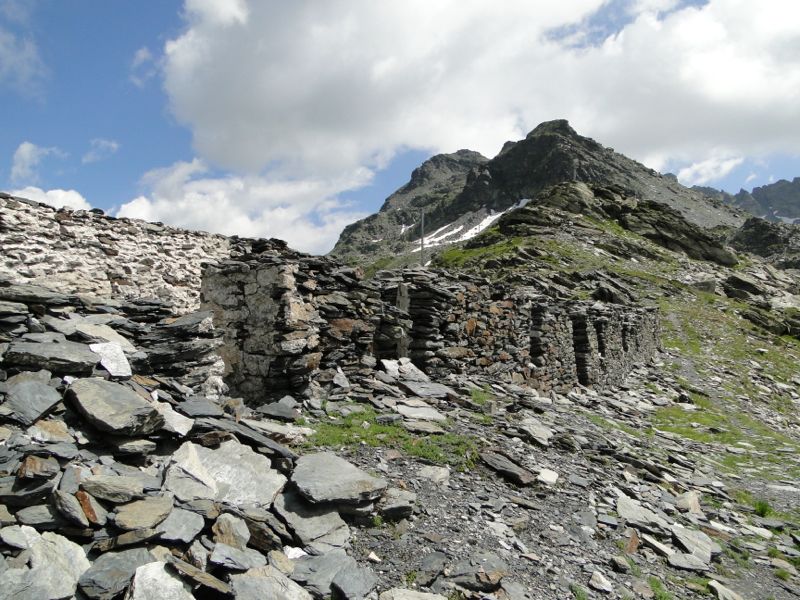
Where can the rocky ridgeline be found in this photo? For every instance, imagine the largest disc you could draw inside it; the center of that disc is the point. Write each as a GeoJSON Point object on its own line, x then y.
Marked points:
{"type": "Point", "coordinates": [286, 318]}
{"type": "Point", "coordinates": [90, 253]}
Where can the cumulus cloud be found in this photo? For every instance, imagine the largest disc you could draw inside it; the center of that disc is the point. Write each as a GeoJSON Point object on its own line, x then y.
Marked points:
{"type": "Point", "coordinates": [56, 198]}
{"type": "Point", "coordinates": [324, 88]}
{"type": "Point", "coordinates": [100, 149]}
{"type": "Point", "coordinates": [26, 160]}
{"type": "Point", "coordinates": [711, 169]}
{"type": "Point", "coordinates": [304, 212]}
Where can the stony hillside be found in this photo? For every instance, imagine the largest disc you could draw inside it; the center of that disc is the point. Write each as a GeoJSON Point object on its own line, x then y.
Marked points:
{"type": "Point", "coordinates": [593, 397]}
{"type": "Point", "coordinates": [462, 197]}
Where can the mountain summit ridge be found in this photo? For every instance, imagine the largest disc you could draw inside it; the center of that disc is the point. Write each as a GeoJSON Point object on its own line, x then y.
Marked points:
{"type": "Point", "coordinates": [462, 191]}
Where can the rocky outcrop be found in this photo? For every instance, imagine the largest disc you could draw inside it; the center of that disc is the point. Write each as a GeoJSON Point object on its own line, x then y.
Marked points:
{"type": "Point", "coordinates": [777, 242]}
{"type": "Point", "coordinates": [86, 252]}
{"type": "Point", "coordinates": [552, 154]}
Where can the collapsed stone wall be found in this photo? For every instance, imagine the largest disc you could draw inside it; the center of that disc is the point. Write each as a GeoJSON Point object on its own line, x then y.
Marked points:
{"type": "Point", "coordinates": [86, 252]}
{"type": "Point", "coordinates": [288, 317]}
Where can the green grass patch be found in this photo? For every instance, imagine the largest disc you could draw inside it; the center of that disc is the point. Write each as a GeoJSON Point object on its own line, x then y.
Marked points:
{"type": "Point", "coordinates": [659, 591]}
{"type": "Point", "coordinates": [578, 592]}
{"type": "Point", "coordinates": [460, 451]}
{"type": "Point", "coordinates": [459, 256]}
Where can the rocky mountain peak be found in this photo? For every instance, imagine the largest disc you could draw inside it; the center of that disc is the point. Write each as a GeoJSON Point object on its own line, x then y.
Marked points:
{"type": "Point", "coordinates": [556, 126]}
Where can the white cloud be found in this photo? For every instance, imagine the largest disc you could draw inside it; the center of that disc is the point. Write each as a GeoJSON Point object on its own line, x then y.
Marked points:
{"type": "Point", "coordinates": [21, 68]}
{"type": "Point", "coordinates": [100, 149]}
{"type": "Point", "coordinates": [305, 213]}
{"type": "Point", "coordinates": [322, 88]}
{"type": "Point", "coordinates": [144, 66]}
{"type": "Point", "coordinates": [56, 198]}
{"type": "Point", "coordinates": [709, 170]}
{"type": "Point", "coordinates": [25, 164]}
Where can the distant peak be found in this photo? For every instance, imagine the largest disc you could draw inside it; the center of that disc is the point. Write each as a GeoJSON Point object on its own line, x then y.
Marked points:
{"type": "Point", "coordinates": [559, 126]}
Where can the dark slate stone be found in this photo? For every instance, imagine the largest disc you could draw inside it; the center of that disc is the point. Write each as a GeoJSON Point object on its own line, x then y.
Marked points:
{"type": "Point", "coordinates": [68, 358]}
{"type": "Point", "coordinates": [111, 573]}
{"type": "Point", "coordinates": [28, 400]}
{"type": "Point", "coordinates": [200, 407]}
{"type": "Point", "coordinates": [114, 408]}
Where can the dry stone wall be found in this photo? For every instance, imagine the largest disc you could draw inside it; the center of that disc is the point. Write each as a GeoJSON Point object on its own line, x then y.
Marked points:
{"type": "Point", "coordinates": [89, 253]}
{"type": "Point", "coordinates": [293, 318]}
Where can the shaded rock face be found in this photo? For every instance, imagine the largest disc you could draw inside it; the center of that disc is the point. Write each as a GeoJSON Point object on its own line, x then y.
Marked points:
{"type": "Point", "coordinates": [777, 242]}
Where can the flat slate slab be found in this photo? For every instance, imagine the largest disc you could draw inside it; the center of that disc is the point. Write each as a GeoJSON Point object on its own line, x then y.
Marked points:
{"type": "Point", "coordinates": [310, 522]}
{"type": "Point", "coordinates": [113, 407]}
{"type": "Point", "coordinates": [232, 474]}
{"type": "Point", "coordinates": [428, 389]}
{"type": "Point", "coordinates": [65, 358]}
{"type": "Point", "coordinates": [507, 468]}
{"type": "Point", "coordinates": [325, 477]}
{"type": "Point", "coordinates": [111, 572]}
{"type": "Point", "coordinates": [28, 399]}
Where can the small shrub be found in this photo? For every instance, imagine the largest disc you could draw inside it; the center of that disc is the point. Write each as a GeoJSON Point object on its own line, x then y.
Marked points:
{"type": "Point", "coordinates": [762, 507]}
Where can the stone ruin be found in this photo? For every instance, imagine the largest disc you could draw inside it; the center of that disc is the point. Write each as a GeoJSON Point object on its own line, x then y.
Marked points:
{"type": "Point", "coordinates": [286, 317]}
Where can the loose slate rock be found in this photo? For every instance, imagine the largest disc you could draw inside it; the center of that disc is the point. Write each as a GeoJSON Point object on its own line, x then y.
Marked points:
{"type": "Point", "coordinates": [181, 526]}
{"type": "Point", "coordinates": [354, 584]}
{"type": "Point", "coordinates": [112, 359]}
{"type": "Point", "coordinates": [266, 582]}
{"type": "Point", "coordinates": [154, 581]}
{"type": "Point", "coordinates": [232, 474]}
{"type": "Point", "coordinates": [311, 524]}
{"type": "Point", "coordinates": [235, 559]}
{"type": "Point", "coordinates": [316, 573]}
{"type": "Point", "coordinates": [111, 572]}
{"type": "Point", "coordinates": [507, 468]}
{"type": "Point", "coordinates": [64, 358]}
{"type": "Point", "coordinates": [56, 564]}
{"type": "Point", "coordinates": [113, 407]}
{"type": "Point", "coordinates": [143, 514]}
{"type": "Point", "coordinates": [114, 488]}
{"type": "Point", "coordinates": [28, 400]}
{"type": "Point", "coordinates": [325, 477]}
{"type": "Point", "coordinates": [405, 594]}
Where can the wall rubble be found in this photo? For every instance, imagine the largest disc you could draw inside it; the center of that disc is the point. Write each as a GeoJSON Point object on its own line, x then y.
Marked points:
{"type": "Point", "coordinates": [89, 253]}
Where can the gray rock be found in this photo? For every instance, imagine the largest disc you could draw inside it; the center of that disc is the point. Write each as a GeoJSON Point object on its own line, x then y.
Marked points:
{"type": "Point", "coordinates": [200, 407]}
{"type": "Point", "coordinates": [143, 514]}
{"type": "Point", "coordinates": [687, 562]}
{"type": "Point", "coordinates": [65, 358]}
{"type": "Point", "coordinates": [42, 517]}
{"type": "Point", "coordinates": [181, 526]}
{"type": "Point", "coordinates": [481, 572]}
{"type": "Point", "coordinates": [325, 477]}
{"type": "Point", "coordinates": [696, 542]}
{"type": "Point", "coordinates": [113, 407]}
{"type": "Point", "coordinates": [111, 573]}
{"type": "Point", "coordinates": [721, 592]}
{"type": "Point", "coordinates": [316, 573]}
{"type": "Point", "coordinates": [236, 559]}
{"type": "Point", "coordinates": [232, 474]}
{"type": "Point", "coordinates": [599, 582]}
{"type": "Point", "coordinates": [28, 400]}
{"type": "Point", "coordinates": [354, 584]}
{"type": "Point", "coordinates": [56, 564]}
{"type": "Point", "coordinates": [507, 468]}
{"type": "Point", "coordinates": [397, 504]}
{"type": "Point", "coordinates": [113, 488]}
{"type": "Point", "coordinates": [231, 530]}
{"type": "Point", "coordinates": [427, 389]}
{"type": "Point", "coordinates": [14, 492]}
{"type": "Point", "coordinates": [636, 514]}
{"type": "Point", "coordinates": [131, 446]}
{"type": "Point", "coordinates": [535, 430]}
{"type": "Point", "coordinates": [154, 581]}
{"type": "Point", "coordinates": [312, 525]}
{"type": "Point", "coordinates": [112, 359]}
{"type": "Point", "coordinates": [68, 505]}
{"type": "Point", "coordinates": [199, 576]}
{"type": "Point", "coordinates": [266, 582]}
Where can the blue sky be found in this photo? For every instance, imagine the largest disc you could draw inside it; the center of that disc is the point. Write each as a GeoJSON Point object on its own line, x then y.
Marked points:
{"type": "Point", "coordinates": [293, 119]}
